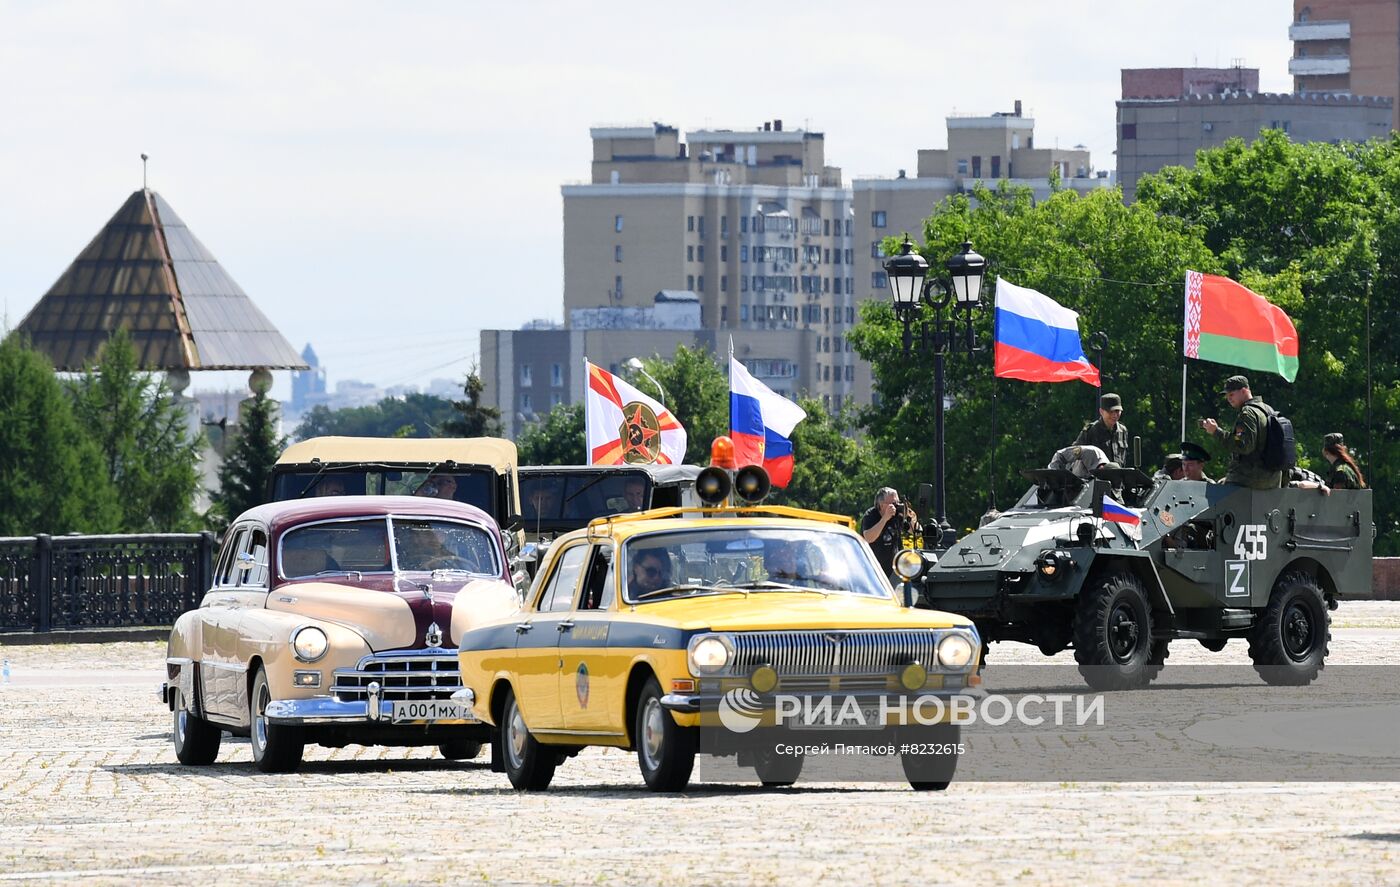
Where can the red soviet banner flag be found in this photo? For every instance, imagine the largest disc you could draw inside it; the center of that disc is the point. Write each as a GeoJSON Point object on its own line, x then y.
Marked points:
{"type": "Point", "coordinates": [1227, 323]}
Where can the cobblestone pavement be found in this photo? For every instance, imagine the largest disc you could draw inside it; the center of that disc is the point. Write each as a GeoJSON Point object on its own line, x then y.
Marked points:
{"type": "Point", "coordinates": [90, 790]}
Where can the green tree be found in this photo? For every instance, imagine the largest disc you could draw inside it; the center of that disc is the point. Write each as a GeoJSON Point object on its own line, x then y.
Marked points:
{"type": "Point", "coordinates": [697, 394]}
{"type": "Point", "coordinates": [558, 440]}
{"type": "Point", "coordinates": [832, 471]}
{"type": "Point", "coordinates": [1090, 254]}
{"type": "Point", "coordinates": [471, 418]}
{"type": "Point", "coordinates": [51, 479]}
{"type": "Point", "coordinates": [414, 415]}
{"type": "Point", "coordinates": [247, 470]}
{"type": "Point", "coordinates": [1309, 225]}
{"type": "Point", "coordinates": [146, 444]}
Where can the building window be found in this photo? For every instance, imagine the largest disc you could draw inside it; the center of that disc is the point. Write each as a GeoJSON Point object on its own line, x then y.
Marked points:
{"type": "Point", "coordinates": [848, 227]}
{"type": "Point", "coordinates": [877, 219]}
{"type": "Point", "coordinates": [702, 227]}
{"type": "Point", "coordinates": [877, 249]}
{"type": "Point", "coordinates": [743, 252]}
{"type": "Point", "coordinates": [850, 314]}
{"type": "Point", "coordinates": [743, 283]}
{"type": "Point", "coordinates": [617, 223]}
{"type": "Point", "coordinates": [556, 374]}
{"type": "Point", "coordinates": [690, 223]}
{"type": "Point", "coordinates": [526, 403]}
{"type": "Point", "coordinates": [723, 253]}
{"type": "Point", "coordinates": [743, 224]}
{"type": "Point", "coordinates": [724, 227]}
{"type": "Point", "coordinates": [700, 253]}
{"type": "Point", "coordinates": [525, 376]}
{"type": "Point", "coordinates": [977, 167]}
{"type": "Point", "coordinates": [996, 166]}
{"type": "Point", "coordinates": [849, 257]}
{"type": "Point", "coordinates": [689, 253]}
{"type": "Point", "coordinates": [690, 282]}
{"type": "Point", "coordinates": [724, 283]}
{"type": "Point", "coordinates": [879, 281]}
{"type": "Point", "coordinates": [617, 287]}
{"type": "Point", "coordinates": [826, 227]}
{"type": "Point", "coordinates": [723, 314]}
{"type": "Point", "coordinates": [700, 282]}
{"type": "Point", "coordinates": [826, 316]}
{"type": "Point", "coordinates": [851, 373]}
{"type": "Point", "coordinates": [617, 253]}
{"type": "Point", "coordinates": [743, 312]}
{"type": "Point", "coordinates": [962, 166]}
{"type": "Point", "coordinates": [1129, 131]}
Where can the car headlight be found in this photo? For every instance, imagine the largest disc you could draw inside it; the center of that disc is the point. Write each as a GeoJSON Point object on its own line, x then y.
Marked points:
{"type": "Point", "coordinates": [309, 643]}
{"type": "Point", "coordinates": [955, 651]}
{"type": "Point", "coordinates": [1054, 563]}
{"type": "Point", "coordinates": [709, 655]}
{"type": "Point", "coordinates": [909, 564]}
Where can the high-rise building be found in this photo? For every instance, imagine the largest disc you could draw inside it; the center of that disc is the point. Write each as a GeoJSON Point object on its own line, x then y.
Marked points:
{"type": "Point", "coordinates": [986, 149]}
{"type": "Point", "coordinates": [1347, 47]}
{"type": "Point", "coordinates": [1166, 115]}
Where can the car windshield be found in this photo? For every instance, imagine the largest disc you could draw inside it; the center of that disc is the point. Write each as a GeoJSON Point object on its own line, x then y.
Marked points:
{"type": "Point", "coordinates": [576, 497]}
{"type": "Point", "coordinates": [362, 546]}
{"type": "Point", "coordinates": [726, 559]}
{"type": "Point", "coordinates": [470, 486]}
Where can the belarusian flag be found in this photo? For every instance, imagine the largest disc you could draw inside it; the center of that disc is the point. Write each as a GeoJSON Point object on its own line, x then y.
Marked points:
{"type": "Point", "coordinates": [1227, 323]}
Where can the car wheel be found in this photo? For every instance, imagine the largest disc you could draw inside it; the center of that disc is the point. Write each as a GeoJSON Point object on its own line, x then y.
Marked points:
{"type": "Point", "coordinates": [196, 740]}
{"type": "Point", "coordinates": [459, 749]}
{"type": "Point", "coordinates": [277, 748]}
{"type": "Point", "coordinates": [1157, 659]}
{"type": "Point", "coordinates": [665, 749]}
{"type": "Point", "coordinates": [529, 764]}
{"type": "Point", "coordinates": [1288, 644]}
{"type": "Point", "coordinates": [932, 760]}
{"type": "Point", "coordinates": [778, 771]}
{"type": "Point", "coordinates": [1113, 633]}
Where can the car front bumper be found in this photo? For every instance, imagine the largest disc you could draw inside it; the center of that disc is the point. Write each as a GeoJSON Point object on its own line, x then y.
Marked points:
{"type": "Point", "coordinates": [706, 702]}
{"type": "Point", "coordinates": [328, 710]}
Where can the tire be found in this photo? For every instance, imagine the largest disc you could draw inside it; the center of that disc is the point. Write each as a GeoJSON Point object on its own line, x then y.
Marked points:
{"type": "Point", "coordinates": [459, 749]}
{"type": "Point", "coordinates": [1113, 633]}
{"type": "Point", "coordinates": [1157, 658]}
{"type": "Point", "coordinates": [277, 748]}
{"type": "Point", "coordinates": [529, 763]}
{"type": "Point", "coordinates": [665, 749]}
{"type": "Point", "coordinates": [1215, 645]}
{"type": "Point", "coordinates": [931, 772]}
{"type": "Point", "coordinates": [196, 740]}
{"type": "Point", "coordinates": [1289, 642]}
{"type": "Point", "coordinates": [778, 771]}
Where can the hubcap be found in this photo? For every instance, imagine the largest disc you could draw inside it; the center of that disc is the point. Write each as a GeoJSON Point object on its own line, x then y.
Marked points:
{"type": "Point", "coordinates": [1297, 631]}
{"type": "Point", "coordinates": [653, 732]}
{"type": "Point", "coordinates": [180, 716]}
{"type": "Point", "coordinates": [1123, 632]}
{"type": "Point", "coordinates": [260, 719]}
{"type": "Point", "coordinates": [515, 737]}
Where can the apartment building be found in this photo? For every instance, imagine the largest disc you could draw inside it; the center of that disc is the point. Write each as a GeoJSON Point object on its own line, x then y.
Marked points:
{"type": "Point", "coordinates": [986, 149]}
{"type": "Point", "coordinates": [1347, 47]}
{"type": "Point", "coordinates": [1166, 115]}
{"type": "Point", "coordinates": [754, 222]}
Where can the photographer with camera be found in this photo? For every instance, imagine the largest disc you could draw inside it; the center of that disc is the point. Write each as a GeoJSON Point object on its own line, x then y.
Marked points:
{"type": "Point", "coordinates": [886, 524]}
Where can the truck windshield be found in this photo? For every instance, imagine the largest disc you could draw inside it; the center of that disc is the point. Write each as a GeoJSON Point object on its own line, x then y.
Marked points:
{"type": "Point", "coordinates": [576, 497]}
{"type": "Point", "coordinates": [472, 486]}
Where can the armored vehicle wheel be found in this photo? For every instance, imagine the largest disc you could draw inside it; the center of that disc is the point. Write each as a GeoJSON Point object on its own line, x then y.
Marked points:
{"type": "Point", "coordinates": [277, 748]}
{"type": "Point", "coordinates": [1288, 643]}
{"type": "Point", "coordinates": [1215, 645]}
{"type": "Point", "coordinates": [529, 764]}
{"type": "Point", "coordinates": [665, 749]}
{"type": "Point", "coordinates": [1157, 658]}
{"type": "Point", "coordinates": [196, 740]}
{"type": "Point", "coordinates": [459, 749]}
{"type": "Point", "coordinates": [1113, 633]}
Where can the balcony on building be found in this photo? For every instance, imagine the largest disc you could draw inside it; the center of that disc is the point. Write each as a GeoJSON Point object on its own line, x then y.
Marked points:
{"type": "Point", "coordinates": [1335, 30]}
{"type": "Point", "coordinates": [1313, 66]}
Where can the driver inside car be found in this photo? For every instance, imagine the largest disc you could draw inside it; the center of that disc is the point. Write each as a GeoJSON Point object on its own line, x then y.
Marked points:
{"type": "Point", "coordinates": [651, 570]}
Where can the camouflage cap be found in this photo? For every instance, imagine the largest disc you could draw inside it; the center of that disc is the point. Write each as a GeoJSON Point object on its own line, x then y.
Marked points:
{"type": "Point", "coordinates": [1332, 440]}
{"type": "Point", "coordinates": [1111, 402]}
{"type": "Point", "coordinates": [1235, 383]}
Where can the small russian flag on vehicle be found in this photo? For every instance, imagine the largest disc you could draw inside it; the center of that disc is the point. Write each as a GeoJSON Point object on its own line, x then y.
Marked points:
{"type": "Point", "coordinates": [1120, 514]}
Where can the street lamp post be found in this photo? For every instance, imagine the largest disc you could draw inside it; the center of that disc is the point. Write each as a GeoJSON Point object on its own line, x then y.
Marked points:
{"type": "Point", "coordinates": [958, 295]}
{"type": "Point", "coordinates": [636, 364]}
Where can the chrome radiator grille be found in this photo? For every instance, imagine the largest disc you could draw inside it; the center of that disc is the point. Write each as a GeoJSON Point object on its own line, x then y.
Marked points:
{"type": "Point", "coordinates": [399, 677]}
{"type": "Point", "coordinates": [815, 653]}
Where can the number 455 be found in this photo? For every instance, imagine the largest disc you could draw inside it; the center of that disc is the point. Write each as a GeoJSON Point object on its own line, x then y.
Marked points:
{"type": "Point", "coordinates": [1251, 544]}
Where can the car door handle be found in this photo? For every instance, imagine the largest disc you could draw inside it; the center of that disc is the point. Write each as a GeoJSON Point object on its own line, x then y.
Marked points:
{"type": "Point", "coordinates": [522, 627]}
{"type": "Point", "coordinates": [565, 626]}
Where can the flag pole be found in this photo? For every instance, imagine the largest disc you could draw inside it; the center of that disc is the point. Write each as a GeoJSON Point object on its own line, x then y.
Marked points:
{"type": "Point", "coordinates": [729, 374]}
{"type": "Point", "coordinates": [992, 461]}
{"type": "Point", "coordinates": [1183, 397]}
{"type": "Point", "coordinates": [586, 381]}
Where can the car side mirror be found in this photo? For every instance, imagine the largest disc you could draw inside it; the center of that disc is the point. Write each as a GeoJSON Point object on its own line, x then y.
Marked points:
{"type": "Point", "coordinates": [530, 553]}
{"type": "Point", "coordinates": [244, 562]}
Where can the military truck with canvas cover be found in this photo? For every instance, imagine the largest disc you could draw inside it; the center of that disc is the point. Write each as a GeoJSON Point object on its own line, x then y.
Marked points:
{"type": "Point", "coordinates": [1119, 565]}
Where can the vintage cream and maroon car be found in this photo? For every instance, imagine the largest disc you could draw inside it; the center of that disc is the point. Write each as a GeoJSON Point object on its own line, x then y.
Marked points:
{"type": "Point", "coordinates": [334, 621]}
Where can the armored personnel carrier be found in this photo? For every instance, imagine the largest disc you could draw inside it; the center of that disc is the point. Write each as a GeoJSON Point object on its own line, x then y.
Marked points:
{"type": "Point", "coordinates": [1118, 565]}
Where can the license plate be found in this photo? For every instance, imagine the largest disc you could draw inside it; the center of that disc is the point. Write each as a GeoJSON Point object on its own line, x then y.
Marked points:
{"type": "Point", "coordinates": [838, 719]}
{"type": "Point", "coordinates": [429, 711]}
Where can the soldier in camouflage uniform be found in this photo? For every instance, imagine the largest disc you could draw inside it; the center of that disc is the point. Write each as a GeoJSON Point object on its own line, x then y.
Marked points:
{"type": "Point", "coordinates": [1245, 442]}
{"type": "Point", "coordinates": [1107, 432]}
{"type": "Point", "coordinates": [1193, 461]}
{"type": "Point", "coordinates": [1344, 473]}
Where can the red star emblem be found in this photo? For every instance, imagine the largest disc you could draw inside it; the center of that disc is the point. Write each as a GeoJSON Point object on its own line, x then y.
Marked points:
{"type": "Point", "coordinates": [638, 436]}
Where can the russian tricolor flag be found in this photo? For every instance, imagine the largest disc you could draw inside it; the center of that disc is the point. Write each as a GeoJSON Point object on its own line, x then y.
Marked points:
{"type": "Point", "coordinates": [1120, 514]}
{"type": "Point", "coordinates": [1037, 338]}
{"type": "Point", "coordinates": [761, 422]}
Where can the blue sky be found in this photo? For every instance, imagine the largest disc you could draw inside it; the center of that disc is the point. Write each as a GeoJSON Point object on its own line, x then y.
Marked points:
{"type": "Point", "coordinates": [383, 178]}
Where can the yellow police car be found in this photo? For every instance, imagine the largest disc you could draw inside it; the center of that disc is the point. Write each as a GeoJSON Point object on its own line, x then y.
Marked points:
{"type": "Point", "coordinates": [641, 630]}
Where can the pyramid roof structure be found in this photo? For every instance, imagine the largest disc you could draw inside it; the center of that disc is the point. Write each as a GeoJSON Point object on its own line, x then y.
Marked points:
{"type": "Point", "coordinates": [145, 271]}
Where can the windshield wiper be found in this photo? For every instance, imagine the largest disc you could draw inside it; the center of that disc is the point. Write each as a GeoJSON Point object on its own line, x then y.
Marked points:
{"type": "Point", "coordinates": [673, 589]}
{"type": "Point", "coordinates": [770, 585]}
